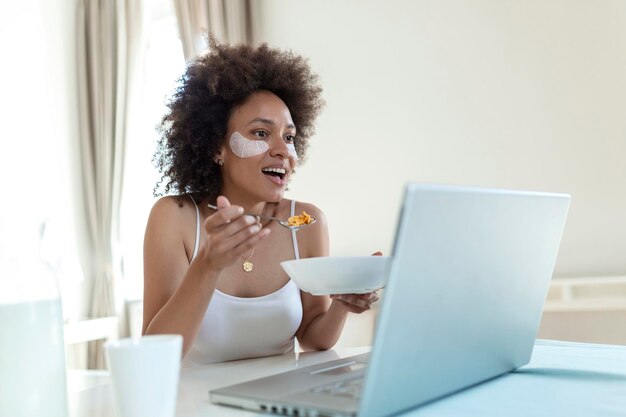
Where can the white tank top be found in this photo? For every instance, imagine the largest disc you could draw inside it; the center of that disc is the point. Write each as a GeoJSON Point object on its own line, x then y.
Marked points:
{"type": "Point", "coordinates": [239, 328]}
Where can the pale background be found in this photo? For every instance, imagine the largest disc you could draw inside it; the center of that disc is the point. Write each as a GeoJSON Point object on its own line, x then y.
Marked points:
{"type": "Point", "coordinates": [515, 94]}
{"type": "Point", "coordinates": [528, 95]}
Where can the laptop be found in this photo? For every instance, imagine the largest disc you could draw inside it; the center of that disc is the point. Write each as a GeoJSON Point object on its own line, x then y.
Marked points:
{"type": "Point", "coordinates": [465, 290]}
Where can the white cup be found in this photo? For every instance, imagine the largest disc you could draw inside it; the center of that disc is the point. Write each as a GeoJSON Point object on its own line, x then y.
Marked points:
{"type": "Point", "coordinates": [145, 374]}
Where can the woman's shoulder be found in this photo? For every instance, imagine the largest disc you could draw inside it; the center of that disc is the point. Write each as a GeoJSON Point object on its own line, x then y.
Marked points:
{"type": "Point", "coordinates": [313, 239]}
{"type": "Point", "coordinates": [170, 202]}
{"type": "Point", "coordinates": [172, 220]}
{"type": "Point", "coordinates": [301, 206]}
{"type": "Point", "coordinates": [172, 209]}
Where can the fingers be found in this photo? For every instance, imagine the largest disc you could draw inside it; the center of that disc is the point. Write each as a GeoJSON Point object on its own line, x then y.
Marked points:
{"type": "Point", "coordinates": [230, 234]}
{"type": "Point", "coordinates": [234, 233]}
{"type": "Point", "coordinates": [360, 299]}
{"type": "Point", "coordinates": [222, 202]}
{"type": "Point", "coordinates": [223, 251]}
{"type": "Point", "coordinates": [356, 303]}
{"type": "Point", "coordinates": [223, 216]}
{"type": "Point", "coordinates": [248, 239]}
{"type": "Point", "coordinates": [240, 239]}
{"type": "Point", "coordinates": [351, 307]}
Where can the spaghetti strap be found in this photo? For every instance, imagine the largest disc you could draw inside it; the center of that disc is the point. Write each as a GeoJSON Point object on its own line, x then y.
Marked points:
{"type": "Point", "coordinates": [294, 238]}
{"type": "Point", "coordinates": [196, 243]}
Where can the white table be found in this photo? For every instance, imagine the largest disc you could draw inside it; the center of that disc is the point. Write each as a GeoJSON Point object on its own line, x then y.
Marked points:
{"type": "Point", "coordinates": [563, 378]}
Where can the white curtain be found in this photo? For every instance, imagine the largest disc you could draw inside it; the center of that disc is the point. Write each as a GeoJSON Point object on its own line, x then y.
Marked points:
{"type": "Point", "coordinates": [228, 20]}
{"type": "Point", "coordinates": [108, 41]}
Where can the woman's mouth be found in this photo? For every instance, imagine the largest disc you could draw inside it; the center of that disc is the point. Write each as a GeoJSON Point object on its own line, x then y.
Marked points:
{"type": "Point", "coordinates": [276, 175]}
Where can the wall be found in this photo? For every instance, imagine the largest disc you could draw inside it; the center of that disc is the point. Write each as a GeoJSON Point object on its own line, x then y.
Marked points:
{"type": "Point", "coordinates": [527, 95]}
{"type": "Point", "coordinates": [39, 128]}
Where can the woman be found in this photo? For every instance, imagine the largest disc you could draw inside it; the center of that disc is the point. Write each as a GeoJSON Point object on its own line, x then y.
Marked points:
{"type": "Point", "coordinates": [236, 128]}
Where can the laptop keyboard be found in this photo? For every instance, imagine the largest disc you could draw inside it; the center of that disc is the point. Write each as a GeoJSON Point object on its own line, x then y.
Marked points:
{"type": "Point", "coordinates": [350, 388]}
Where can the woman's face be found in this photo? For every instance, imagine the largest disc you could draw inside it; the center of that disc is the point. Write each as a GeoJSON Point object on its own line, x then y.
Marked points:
{"type": "Point", "coordinates": [259, 155]}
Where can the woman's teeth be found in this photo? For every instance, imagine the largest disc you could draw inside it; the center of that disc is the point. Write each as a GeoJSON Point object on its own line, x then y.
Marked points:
{"type": "Point", "coordinates": [279, 172]}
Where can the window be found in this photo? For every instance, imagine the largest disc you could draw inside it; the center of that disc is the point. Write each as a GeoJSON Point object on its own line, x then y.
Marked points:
{"type": "Point", "coordinates": [164, 64]}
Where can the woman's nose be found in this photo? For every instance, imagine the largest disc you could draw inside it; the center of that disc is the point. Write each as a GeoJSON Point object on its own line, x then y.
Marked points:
{"type": "Point", "coordinates": [278, 147]}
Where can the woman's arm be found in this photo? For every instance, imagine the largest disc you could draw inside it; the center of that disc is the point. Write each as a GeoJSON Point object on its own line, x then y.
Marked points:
{"type": "Point", "coordinates": [323, 318]}
{"type": "Point", "coordinates": [176, 293]}
{"type": "Point", "coordinates": [324, 326]}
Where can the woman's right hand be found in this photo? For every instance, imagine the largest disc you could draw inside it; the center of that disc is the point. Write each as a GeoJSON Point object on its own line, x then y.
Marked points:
{"type": "Point", "coordinates": [177, 293]}
{"type": "Point", "coordinates": [230, 235]}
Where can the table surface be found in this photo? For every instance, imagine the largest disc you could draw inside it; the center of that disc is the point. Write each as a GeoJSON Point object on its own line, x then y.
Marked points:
{"type": "Point", "coordinates": [562, 378]}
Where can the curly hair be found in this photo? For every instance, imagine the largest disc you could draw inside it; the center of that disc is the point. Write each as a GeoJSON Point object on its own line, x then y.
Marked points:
{"type": "Point", "coordinates": [213, 85]}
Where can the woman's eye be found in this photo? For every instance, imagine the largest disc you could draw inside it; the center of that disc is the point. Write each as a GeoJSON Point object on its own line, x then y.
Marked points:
{"type": "Point", "coordinates": [290, 138]}
{"type": "Point", "coordinates": [260, 133]}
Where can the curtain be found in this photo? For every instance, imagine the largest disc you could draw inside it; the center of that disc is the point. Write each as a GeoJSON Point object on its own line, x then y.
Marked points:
{"type": "Point", "coordinates": [228, 20]}
{"type": "Point", "coordinates": [108, 41]}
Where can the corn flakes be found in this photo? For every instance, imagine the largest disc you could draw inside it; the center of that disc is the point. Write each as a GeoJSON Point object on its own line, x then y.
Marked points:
{"type": "Point", "coordinates": [300, 219]}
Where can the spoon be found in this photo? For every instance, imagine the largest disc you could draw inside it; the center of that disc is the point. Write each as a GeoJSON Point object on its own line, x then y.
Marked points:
{"type": "Point", "coordinates": [283, 223]}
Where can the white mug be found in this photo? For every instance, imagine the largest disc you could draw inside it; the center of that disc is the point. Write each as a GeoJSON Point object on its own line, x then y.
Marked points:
{"type": "Point", "coordinates": [145, 373]}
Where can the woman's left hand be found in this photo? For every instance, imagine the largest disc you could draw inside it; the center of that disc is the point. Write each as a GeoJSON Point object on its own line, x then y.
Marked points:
{"type": "Point", "coordinates": [356, 303]}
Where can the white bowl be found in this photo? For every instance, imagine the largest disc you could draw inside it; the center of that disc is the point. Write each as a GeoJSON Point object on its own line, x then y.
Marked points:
{"type": "Point", "coordinates": [338, 275]}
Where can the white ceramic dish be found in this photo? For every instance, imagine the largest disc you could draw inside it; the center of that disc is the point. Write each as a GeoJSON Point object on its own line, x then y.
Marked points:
{"type": "Point", "coordinates": [338, 275]}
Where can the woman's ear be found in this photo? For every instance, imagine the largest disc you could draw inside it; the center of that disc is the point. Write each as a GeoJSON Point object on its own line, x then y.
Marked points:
{"type": "Point", "coordinates": [219, 157]}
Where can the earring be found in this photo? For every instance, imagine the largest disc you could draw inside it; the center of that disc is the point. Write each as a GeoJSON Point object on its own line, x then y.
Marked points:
{"type": "Point", "coordinates": [220, 162]}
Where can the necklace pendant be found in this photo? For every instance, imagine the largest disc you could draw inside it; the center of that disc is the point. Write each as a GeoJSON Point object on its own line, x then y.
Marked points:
{"type": "Point", "coordinates": [247, 265]}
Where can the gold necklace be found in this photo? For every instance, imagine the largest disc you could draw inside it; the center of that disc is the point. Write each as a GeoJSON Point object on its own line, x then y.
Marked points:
{"type": "Point", "coordinates": [247, 265]}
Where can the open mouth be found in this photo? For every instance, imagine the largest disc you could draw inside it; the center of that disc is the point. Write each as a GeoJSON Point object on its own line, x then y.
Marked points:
{"type": "Point", "coordinates": [279, 173]}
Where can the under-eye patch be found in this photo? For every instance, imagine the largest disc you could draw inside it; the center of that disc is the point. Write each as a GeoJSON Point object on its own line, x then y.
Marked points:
{"type": "Point", "coordinates": [292, 151]}
{"type": "Point", "coordinates": [245, 148]}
